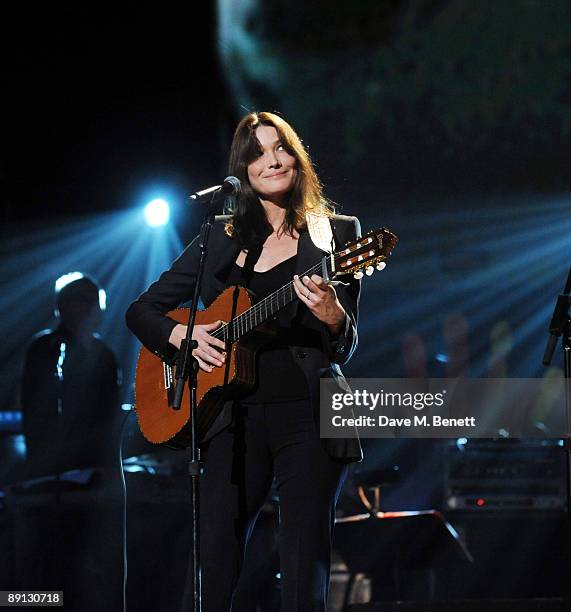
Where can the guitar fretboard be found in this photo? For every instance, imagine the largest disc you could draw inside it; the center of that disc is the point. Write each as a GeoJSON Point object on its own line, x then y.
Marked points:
{"type": "Point", "coordinates": [264, 309]}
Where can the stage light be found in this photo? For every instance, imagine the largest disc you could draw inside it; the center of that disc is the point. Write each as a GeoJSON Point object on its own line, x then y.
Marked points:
{"type": "Point", "coordinates": [157, 213]}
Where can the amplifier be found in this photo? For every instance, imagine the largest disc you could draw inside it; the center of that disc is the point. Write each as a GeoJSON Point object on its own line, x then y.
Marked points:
{"type": "Point", "coordinates": [496, 475]}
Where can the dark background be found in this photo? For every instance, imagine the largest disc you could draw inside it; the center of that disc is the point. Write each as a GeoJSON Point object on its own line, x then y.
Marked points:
{"type": "Point", "coordinates": [97, 107]}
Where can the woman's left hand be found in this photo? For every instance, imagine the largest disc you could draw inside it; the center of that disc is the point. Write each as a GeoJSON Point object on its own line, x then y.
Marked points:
{"type": "Point", "coordinates": [322, 301]}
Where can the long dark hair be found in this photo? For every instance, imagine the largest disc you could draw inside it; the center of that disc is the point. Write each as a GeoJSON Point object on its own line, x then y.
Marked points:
{"type": "Point", "coordinates": [249, 223]}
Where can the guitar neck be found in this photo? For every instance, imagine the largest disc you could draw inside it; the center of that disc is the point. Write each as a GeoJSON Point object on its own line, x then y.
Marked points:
{"type": "Point", "coordinates": [264, 309]}
{"type": "Point", "coordinates": [364, 252]}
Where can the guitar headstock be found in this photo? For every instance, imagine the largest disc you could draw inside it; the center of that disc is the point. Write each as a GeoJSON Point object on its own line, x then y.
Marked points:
{"type": "Point", "coordinates": [367, 252]}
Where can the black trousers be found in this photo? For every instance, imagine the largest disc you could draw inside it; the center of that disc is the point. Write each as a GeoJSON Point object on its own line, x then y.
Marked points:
{"type": "Point", "coordinates": [267, 441]}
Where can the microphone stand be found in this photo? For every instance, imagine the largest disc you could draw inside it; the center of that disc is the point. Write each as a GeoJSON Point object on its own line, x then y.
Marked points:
{"type": "Point", "coordinates": [187, 370]}
{"type": "Point", "coordinates": [58, 514]}
{"type": "Point", "coordinates": [59, 415]}
{"type": "Point", "coordinates": [561, 326]}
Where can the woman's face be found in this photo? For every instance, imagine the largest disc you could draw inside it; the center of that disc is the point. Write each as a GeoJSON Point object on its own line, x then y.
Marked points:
{"type": "Point", "coordinates": [272, 174]}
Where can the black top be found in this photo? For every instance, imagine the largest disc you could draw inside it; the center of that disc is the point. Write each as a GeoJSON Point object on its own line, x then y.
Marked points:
{"type": "Point", "coordinates": [278, 377]}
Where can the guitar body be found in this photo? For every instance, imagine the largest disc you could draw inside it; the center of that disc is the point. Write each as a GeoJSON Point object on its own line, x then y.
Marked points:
{"type": "Point", "coordinates": [155, 379]}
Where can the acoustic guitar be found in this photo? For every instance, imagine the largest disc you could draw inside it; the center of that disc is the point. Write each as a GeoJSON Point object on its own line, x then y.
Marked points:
{"type": "Point", "coordinates": [243, 333]}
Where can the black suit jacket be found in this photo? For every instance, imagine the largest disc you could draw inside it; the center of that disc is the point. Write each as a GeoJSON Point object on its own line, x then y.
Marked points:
{"type": "Point", "coordinates": [146, 316]}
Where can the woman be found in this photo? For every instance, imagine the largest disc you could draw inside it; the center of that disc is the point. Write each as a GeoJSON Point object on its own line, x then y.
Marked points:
{"type": "Point", "coordinates": [273, 432]}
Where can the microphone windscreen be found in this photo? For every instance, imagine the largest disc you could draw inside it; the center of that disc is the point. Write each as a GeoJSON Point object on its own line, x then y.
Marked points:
{"type": "Point", "coordinates": [231, 185]}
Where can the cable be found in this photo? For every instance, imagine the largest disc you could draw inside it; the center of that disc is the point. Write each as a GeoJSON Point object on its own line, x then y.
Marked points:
{"type": "Point", "coordinates": [124, 508]}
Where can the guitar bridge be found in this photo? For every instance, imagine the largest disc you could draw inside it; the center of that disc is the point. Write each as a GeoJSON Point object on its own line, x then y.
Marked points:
{"type": "Point", "coordinates": [168, 379]}
{"type": "Point", "coordinates": [168, 375]}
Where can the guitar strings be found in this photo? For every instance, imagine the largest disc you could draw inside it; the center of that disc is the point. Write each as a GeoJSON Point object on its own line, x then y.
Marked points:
{"type": "Point", "coordinates": [243, 322]}
{"type": "Point", "coordinates": [247, 320]}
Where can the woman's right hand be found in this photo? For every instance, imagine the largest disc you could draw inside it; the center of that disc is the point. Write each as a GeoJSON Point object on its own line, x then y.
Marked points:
{"type": "Point", "coordinates": [207, 353]}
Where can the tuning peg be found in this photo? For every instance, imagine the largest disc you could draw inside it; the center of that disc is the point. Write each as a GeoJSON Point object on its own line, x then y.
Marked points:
{"type": "Point", "coordinates": [369, 270]}
{"type": "Point", "coordinates": [381, 266]}
{"type": "Point", "coordinates": [358, 275]}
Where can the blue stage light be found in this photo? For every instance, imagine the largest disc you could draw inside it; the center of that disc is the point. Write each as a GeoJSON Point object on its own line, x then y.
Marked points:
{"type": "Point", "coordinates": [157, 213]}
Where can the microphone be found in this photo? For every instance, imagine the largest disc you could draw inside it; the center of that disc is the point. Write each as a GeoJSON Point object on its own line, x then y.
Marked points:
{"type": "Point", "coordinates": [230, 186]}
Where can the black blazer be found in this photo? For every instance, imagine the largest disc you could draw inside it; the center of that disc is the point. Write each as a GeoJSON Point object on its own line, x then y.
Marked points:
{"type": "Point", "coordinates": [146, 316]}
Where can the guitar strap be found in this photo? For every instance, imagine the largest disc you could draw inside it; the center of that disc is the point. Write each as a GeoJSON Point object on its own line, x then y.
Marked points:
{"type": "Point", "coordinates": [252, 257]}
{"type": "Point", "coordinates": [320, 231]}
